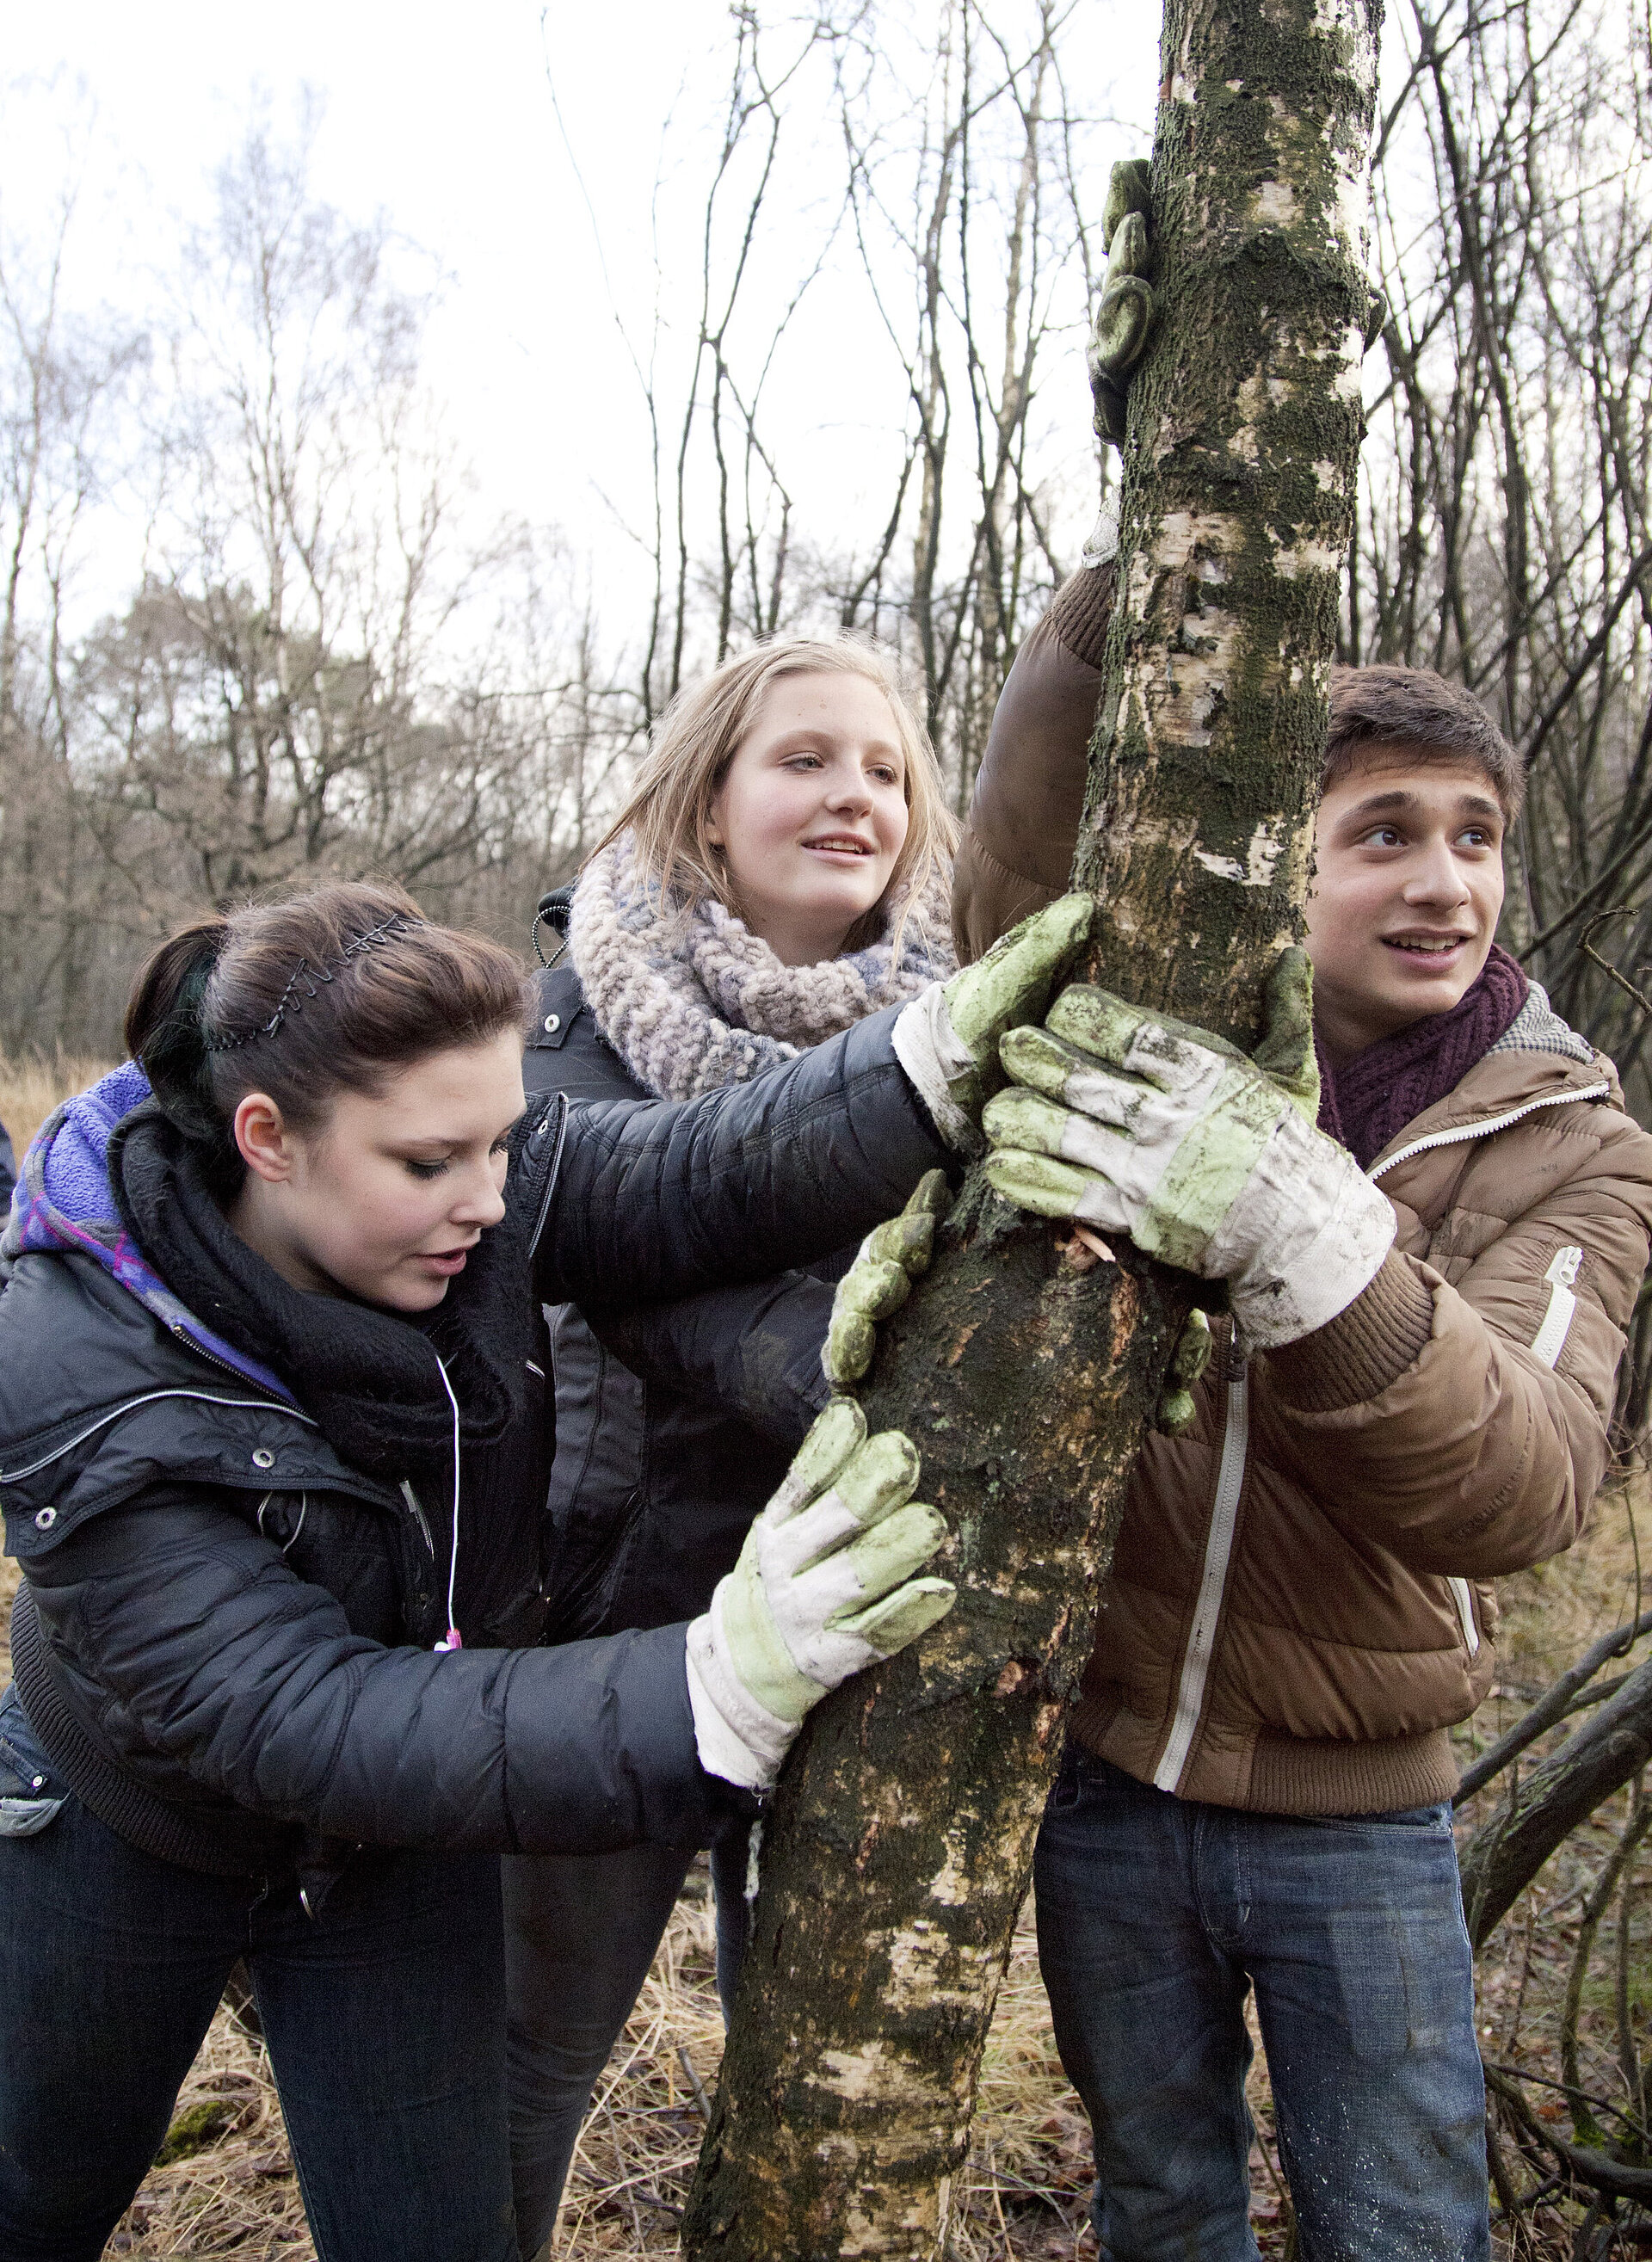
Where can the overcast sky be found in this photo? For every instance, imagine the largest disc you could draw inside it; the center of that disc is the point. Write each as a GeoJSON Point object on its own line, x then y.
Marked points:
{"type": "Point", "coordinates": [443, 118]}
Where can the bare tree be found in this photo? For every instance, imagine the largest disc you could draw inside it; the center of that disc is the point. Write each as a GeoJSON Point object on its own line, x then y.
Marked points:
{"type": "Point", "coordinates": [326, 666]}
{"type": "Point", "coordinates": [272, 698]}
{"type": "Point", "coordinates": [1505, 536]}
{"type": "Point", "coordinates": [63, 378]}
{"type": "Point", "coordinates": [957, 221]}
{"type": "Point", "coordinates": [899, 1844]}
{"type": "Point", "coordinates": [973, 241]}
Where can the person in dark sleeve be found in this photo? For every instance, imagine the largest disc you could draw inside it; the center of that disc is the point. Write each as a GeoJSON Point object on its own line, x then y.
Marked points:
{"type": "Point", "coordinates": [781, 871]}
{"type": "Point", "coordinates": [7, 1169]}
{"type": "Point", "coordinates": [266, 1364]}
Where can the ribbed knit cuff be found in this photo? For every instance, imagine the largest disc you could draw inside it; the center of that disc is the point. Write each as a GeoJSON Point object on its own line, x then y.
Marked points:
{"type": "Point", "coordinates": [1355, 1356]}
{"type": "Point", "coordinates": [1080, 610]}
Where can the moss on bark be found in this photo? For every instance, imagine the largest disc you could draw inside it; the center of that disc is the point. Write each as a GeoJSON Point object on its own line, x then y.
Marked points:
{"type": "Point", "coordinates": [897, 1850]}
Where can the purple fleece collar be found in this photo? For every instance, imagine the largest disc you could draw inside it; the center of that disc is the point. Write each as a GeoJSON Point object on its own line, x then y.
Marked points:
{"type": "Point", "coordinates": [1371, 1099]}
{"type": "Point", "coordinates": [63, 1201]}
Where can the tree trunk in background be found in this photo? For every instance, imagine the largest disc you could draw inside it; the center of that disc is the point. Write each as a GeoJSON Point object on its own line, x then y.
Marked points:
{"type": "Point", "coordinates": [1561, 1793]}
{"type": "Point", "coordinates": [896, 1853]}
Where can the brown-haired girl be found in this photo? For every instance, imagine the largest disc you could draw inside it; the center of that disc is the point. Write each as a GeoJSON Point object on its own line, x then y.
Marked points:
{"type": "Point", "coordinates": [781, 872]}
{"type": "Point", "coordinates": [266, 1356]}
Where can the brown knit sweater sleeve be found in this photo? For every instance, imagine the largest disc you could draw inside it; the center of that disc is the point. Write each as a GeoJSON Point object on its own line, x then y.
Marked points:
{"type": "Point", "coordinates": [1081, 611]}
{"type": "Point", "coordinates": [1355, 1356]}
{"type": "Point", "coordinates": [1018, 843]}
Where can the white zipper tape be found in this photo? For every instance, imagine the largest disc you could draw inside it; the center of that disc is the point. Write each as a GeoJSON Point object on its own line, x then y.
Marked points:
{"type": "Point", "coordinates": [130, 1405]}
{"type": "Point", "coordinates": [1224, 1514]}
{"type": "Point", "coordinates": [1462, 1594]}
{"type": "Point", "coordinates": [1484, 1130]}
{"type": "Point", "coordinates": [1550, 1339]}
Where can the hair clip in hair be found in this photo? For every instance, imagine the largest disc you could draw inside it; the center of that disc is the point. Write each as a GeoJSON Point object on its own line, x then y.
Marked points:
{"type": "Point", "coordinates": [290, 1001]}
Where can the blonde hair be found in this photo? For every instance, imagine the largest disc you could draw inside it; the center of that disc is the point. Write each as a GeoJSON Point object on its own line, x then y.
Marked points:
{"type": "Point", "coordinates": [669, 810]}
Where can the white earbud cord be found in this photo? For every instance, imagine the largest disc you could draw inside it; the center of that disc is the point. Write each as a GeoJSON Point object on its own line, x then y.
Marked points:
{"type": "Point", "coordinates": [450, 1639]}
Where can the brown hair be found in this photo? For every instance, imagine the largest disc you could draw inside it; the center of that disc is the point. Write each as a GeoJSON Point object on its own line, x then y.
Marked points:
{"type": "Point", "coordinates": [669, 810]}
{"type": "Point", "coordinates": [1414, 714]}
{"type": "Point", "coordinates": [327, 990]}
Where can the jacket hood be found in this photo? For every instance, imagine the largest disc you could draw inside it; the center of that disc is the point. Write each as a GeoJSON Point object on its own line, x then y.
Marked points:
{"type": "Point", "coordinates": [64, 1202]}
{"type": "Point", "coordinates": [1537, 1028]}
{"type": "Point", "coordinates": [1538, 1062]}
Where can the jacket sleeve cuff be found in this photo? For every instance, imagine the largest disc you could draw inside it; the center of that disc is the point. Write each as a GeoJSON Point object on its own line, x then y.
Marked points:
{"type": "Point", "coordinates": [1081, 610]}
{"type": "Point", "coordinates": [1356, 1355]}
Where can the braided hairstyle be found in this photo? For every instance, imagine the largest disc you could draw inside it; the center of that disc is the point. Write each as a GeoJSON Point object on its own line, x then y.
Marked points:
{"type": "Point", "coordinates": [335, 989]}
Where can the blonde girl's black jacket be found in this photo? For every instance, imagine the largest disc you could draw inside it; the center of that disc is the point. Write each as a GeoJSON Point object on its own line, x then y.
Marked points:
{"type": "Point", "coordinates": [675, 1421]}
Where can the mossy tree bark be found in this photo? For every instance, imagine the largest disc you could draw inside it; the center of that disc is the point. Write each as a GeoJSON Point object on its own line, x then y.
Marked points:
{"type": "Point", "coordinates": [896, 1853]}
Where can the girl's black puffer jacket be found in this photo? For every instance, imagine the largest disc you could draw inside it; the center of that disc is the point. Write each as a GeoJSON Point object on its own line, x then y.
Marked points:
{"type": "Point", "coordinates": [223, 1637]}
{"type": "Point", "coordinates": [656, 1478]}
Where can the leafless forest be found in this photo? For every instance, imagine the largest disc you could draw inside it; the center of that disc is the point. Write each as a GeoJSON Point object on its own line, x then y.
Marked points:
{"type": "Point", "coordinates": [324, 666]}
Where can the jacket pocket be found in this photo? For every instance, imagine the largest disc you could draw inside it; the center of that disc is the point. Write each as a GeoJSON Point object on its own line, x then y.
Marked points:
{"type": "Point", "coordinates": [1462, 1595]}
{"type": "Point", "coordinates": [30, 1799]}
{"type": "Point", "coordinates": [1560, 1279]}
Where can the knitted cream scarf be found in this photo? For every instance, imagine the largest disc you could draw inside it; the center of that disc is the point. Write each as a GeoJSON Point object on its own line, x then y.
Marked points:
{"type": "Point", "coordinates": [691, 1006]}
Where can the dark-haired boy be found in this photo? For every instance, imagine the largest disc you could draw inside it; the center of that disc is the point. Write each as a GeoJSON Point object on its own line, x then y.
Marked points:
{"type": "Point", "coordinates": [1256, 1792]}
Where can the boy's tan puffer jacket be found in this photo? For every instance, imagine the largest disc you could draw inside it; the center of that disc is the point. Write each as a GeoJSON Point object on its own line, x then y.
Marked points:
{"type": "Point", "coordinates": [1300, 1603]}
{"type": "Point", "coordinates": [1299, 1600]}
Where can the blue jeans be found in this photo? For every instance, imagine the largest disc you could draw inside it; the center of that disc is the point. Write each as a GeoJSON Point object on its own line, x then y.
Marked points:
{"type": "Point", "coordinates": [1156, 1915]}
{"type": "Point", "coordinates": [384, 2018]}
{"type": "Point", "coordinates": [580, 1932]}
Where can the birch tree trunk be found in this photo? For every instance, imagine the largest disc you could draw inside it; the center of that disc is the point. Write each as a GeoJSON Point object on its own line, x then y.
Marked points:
{"type": "Point", "coordinates": [897, 1851]}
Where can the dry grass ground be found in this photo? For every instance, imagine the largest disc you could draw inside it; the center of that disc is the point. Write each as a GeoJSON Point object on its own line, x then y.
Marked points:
{"type": "Point", "coordinates": [32, 1084]}
{"type": "Point", "coordinates": [1552, 1614]}
{"type": "Point", "coordinates": [1024, 2193]}
{"type": "Point", "coordinates": [231, 2190]}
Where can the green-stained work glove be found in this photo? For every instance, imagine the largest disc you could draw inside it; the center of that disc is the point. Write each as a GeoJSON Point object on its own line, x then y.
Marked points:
{"type": "Point", "coordinates": [879, 1282]}
{"type": "Point", "coordinates": [946, 1040]}
{"type": "Point", "coordinates": [1286, 1050]}
{"type": "Point", "coordinates": [1376, 315]}
{"type": "Point", "coordinates": [1124, 312]}
{"type": "Point", "coordinates": [1177, 1411]}
{"type": "Point", "coordinates": [823, 1586]}
{"type": "Point", "coordinates": [1141, 1125]}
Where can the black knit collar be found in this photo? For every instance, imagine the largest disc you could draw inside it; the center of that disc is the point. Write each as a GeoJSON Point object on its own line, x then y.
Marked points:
{"type": "Point", "coordinates": [368, 1376]}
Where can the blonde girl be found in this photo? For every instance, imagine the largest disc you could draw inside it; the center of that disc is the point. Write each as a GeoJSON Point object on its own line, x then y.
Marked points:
{"type": "Point", "coordinates": [781, 872]}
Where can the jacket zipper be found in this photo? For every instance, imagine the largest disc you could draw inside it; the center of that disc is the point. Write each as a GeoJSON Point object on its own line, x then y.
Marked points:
{"type": "Point", "coordinates": [1431, 1139]}
{"type": "Point", "coordinates": [1195, 1665]}
{"type": "Point", "coordinates": [553, 1172]}
{"type": "Point", "coordinates": [226, 1366]}
{"type": "Point", "coordinates": [1550, 1339]}
{"type": "Point", "coordinates": [1462, 1594]}
{"type": "Point", "coordinates": [420, 1518]}
{"type": "Point", "coordinates": [1225, 1513]}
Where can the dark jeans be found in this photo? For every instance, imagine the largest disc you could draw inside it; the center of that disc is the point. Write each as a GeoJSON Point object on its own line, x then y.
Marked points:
{"type": "Point", "coordinates": [1157, 1914]}
{"type": "Point", "coordinates": [384, 2018]}
{"type": "Point", "coordinates": [580, 1932]}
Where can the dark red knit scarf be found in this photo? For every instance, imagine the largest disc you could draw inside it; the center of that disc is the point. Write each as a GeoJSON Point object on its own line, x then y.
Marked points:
{"type": "Point", "coordinates": [1369, 1098]}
